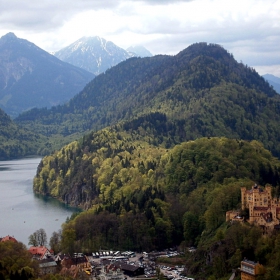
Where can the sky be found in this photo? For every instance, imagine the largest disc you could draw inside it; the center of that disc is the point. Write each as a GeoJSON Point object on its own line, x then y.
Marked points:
{"type": "Point", "coordinates": [249, 29]}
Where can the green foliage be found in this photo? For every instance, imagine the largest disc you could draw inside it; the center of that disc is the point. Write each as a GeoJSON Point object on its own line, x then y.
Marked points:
{"type": "Point", "coordinates": [200, 92]}
{"type": "Point", "coordinates": [16, 142]}
{"type": "Point", "coordinates": [16, 262]}
{"type": "Point", "coordinates": [38, 238]}
{"type": "Point", "coordinates": [55, 241]}
{"type": "Point", "coordinates": [141, 197]}
{"type": "Point", "coordinates": [217, 160]}
{"type": "Point", "coordinates": [142, 183]}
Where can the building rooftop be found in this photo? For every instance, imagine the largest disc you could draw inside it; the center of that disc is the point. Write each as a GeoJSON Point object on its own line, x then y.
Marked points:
{"type": "Point", "coordinates": [8, 238]}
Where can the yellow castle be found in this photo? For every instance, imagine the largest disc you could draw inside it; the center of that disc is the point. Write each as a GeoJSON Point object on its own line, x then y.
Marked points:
{"type": "Point", "coordinates": [264, 210]}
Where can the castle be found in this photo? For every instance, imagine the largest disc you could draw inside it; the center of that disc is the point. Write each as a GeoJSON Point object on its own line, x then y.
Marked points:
{"type": "Point", "coordinates": [264, 210]}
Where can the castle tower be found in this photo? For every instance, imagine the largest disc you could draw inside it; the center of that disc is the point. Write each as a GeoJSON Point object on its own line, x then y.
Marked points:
{"type": "Point", "coordinates": [243, 198]}
{"type": "Point", "coordinates": [263, 209]}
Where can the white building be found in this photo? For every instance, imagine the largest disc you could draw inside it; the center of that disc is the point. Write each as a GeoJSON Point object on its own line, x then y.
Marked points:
{"type": "Point", "coordinates": [111, 272]}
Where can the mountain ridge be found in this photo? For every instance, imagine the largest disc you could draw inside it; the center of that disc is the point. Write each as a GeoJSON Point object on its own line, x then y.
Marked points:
{"type": "Point", "coordinates": [31, 77]}
{"type": "Point", "coordinates": [177, 86]}
{"type": "Point", "coordinates": [274, 81]}
{"type": "Point", "coordinates": [143, 184]}
{"type": "Point", "coordinates": [94, 54]}
{"type": "Point", "coordinates": [139, 50]}
{"type": "Point", "coordinates": [17, 142]}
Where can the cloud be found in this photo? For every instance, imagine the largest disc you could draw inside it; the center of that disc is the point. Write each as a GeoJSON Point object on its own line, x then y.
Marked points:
{"type": "Point", "coordinates": [46, 13]}
{"type": "Point", "coordinates": [162, 2]}
{"type": "Point", "coordinates": [249, 29]}
{"type": "Point", "coordinates": [52, 14]}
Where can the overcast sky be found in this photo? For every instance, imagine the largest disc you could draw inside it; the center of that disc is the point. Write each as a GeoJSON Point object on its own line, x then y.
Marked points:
{"type": "Point", "coordinates": [249, 29]}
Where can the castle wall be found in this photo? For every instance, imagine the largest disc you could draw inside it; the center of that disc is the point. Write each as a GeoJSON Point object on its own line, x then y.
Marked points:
{"type": "Point", "coordinates": [263, 209]}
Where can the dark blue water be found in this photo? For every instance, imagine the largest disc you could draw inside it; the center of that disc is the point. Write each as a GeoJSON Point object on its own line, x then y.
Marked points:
{"type": "Point", "coordinates": [21, 211]}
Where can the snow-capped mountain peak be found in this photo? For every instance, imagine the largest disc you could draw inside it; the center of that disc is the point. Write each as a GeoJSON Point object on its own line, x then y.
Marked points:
{"type": "Point", "coordinates": [94, 54]}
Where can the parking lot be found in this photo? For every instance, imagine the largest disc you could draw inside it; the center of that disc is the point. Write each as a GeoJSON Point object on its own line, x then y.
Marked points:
{"type": "Point", "coordinates": [142, 260]}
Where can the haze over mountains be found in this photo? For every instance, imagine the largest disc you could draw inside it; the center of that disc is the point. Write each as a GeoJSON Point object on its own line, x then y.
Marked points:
{"type": "Point", "coordinates": [31, 77]}
{"type": "Point", "coordinates": [96, 54]}
{"type": "Point", "coordinates": [274, 81]}
{"type": "Point", "coordinates": [139, 51]}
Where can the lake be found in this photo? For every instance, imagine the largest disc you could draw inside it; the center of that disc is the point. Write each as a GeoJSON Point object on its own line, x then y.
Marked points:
{"type": "Point", "coordinates": [21, 211]}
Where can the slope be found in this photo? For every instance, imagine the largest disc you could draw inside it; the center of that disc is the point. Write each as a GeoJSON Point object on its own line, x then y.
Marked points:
{"type": "Point", "coordinates": [139, 51]}
{"type": "Point", "coordinates": [274, 81]}
{"type": "Point", "coordinates": [16, 142]}
{"type": "Point", "coordinates": [144, 193]}
{"type": "Point", "coordinates": [141, 197]}
{"type": "Point", "coordinates": [93, 54]}
{"type": "Point", "coordinates": [31, 77]}
{"type": "Point", "coordinates": [202, 89]}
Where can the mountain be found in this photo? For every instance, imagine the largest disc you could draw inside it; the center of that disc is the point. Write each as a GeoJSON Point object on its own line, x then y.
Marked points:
{"type": "Point", "coordinates": [16, 142]}
{"type": "Point", "coordinates": [31, 77]}
{"type": "Point", "coordinates": [139, 51]}
{"type": "Point", "coordinates": [274, 81]}
{"type": "Point", "coordinates": [142, 197]}
{"type": "Point", "coordinates": [201, 91]}
{"type": "Point", "coordinates": [93, 54]}
{"type": "Point", "coordinates": [144, 185]}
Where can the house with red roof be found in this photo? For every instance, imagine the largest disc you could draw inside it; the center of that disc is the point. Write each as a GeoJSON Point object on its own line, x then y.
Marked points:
{"type": "Point", "coordinates": [111, 272]}
{"type": "Point", "coordinates": [8, 238]}
{"type": "Point", "coordinates": [40, 252]}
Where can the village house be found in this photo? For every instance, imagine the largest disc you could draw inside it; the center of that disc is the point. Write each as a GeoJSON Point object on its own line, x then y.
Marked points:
{"type": "Point", "coordinates": [40, 252]}
{"type": "Point", "coordinates": [250, 270]}
{"type": "Point", "coordinates": [48, 266]}
{"type": "Point", "coordinates": [81, 262]}
{"type": "Point", "coordinates": [75, 265]}
{"type": "Point", "coordinates": [111, 272]}
{"type": "Point", "coordinates": [8, 238]}
{"type": "Point", "coordinates": [233, 216]}
{"type": "Point", "coordinates": [60, 257]}
{"type": "Point", "coordinates": [128, 269]}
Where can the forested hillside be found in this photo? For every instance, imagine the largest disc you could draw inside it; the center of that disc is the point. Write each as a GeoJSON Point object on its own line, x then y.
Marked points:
{"type": "Point", "coordinates": [142, 197]}
{"type": "Point", "coordinates": [172, 141]}
{"type": "Point", "coordinates": [16, 142]}
{"type": "Point", "coordinates": [202, 91]}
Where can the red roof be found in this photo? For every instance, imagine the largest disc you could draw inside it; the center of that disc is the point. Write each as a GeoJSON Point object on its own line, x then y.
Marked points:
{"type": "Point", "coordinates": [8, 238]}
{"type": "Point", "coordinates": [260, 208]}
{"type": "Point", "coordinates": [41, 250]}
{"type": "Point", "coordinates": [111, 267]}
